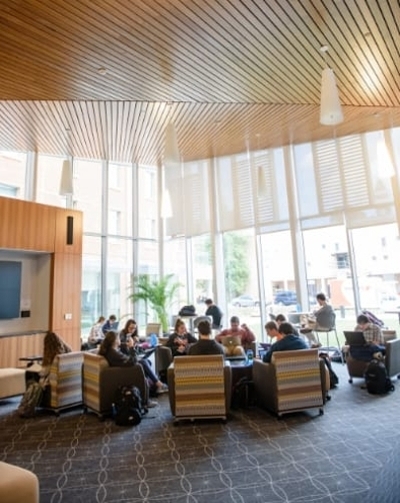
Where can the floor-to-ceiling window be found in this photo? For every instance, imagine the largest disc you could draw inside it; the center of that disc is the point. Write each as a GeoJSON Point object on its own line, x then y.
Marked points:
{"type": "Point", "coordinates": [12, 174]}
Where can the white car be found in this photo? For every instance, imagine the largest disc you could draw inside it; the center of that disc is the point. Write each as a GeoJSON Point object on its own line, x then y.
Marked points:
{"type": "Point", "coordinates": [245, 301]}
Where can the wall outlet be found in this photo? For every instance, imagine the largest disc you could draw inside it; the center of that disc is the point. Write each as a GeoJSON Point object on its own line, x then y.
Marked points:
{"type": "Point", "coordinates": [67, 316]}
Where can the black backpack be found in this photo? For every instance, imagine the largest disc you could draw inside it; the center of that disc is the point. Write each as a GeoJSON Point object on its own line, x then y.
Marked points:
{"type": "Point", "coordinates": [243, 394]}
{"type": "Point", "coordinates": [333, 378]}
{"type": "Point", "coordinates": [187, 311]}
{"type": "Point", "coordinates": [377, 379]}
{"type": "Point", "coordinates": [128, 406]}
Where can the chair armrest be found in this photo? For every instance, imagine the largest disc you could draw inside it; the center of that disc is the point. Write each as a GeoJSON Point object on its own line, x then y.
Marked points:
{"type": "Point", "coordinates": [392, 358]}
{"type": "Point", "coordinates": [264, 377]}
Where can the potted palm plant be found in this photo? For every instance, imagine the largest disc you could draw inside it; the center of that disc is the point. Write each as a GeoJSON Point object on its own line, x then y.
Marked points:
{"type": "Point", "coordinates": [158, 294]}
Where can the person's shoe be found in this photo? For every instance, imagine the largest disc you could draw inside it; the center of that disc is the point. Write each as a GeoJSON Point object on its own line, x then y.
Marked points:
{"type": "Point", "coordinates": [162, 389]}
{"type": "Point", "coordinates": [151, 404]}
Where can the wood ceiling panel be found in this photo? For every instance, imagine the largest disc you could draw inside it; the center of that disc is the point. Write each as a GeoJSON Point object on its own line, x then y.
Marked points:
{"type": "Point", "coordinates": [103, 79]}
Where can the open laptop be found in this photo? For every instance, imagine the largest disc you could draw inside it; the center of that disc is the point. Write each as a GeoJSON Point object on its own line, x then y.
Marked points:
{"type": "Point", "coordinates": [231, 340]}
{"type": "Point", "coordinates": [354, 338]}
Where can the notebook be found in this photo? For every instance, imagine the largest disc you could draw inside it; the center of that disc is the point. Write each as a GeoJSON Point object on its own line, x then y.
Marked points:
{"type": "Point", "coordinates": [231, 340]}
{"type": "Point", "coordinates": [354, 338]}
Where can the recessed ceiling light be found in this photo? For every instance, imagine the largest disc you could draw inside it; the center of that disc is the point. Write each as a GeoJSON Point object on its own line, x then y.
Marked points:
{"type": "Point", "coordinates": [102, 71]}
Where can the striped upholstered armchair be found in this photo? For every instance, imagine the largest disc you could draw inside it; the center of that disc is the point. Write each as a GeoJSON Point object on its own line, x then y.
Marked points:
{"type": "Point", "coordinates": [293, 381]}
{"type": "Point", "coordinates": [199, 387]}
{"type": "Point", "coordinates": [100, 382]}
{"type": "Point", "coordinates": [65, 379]}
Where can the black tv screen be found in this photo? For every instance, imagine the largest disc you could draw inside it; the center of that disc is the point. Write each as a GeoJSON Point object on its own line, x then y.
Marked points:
{"type": "Point", "coordinates": [10, 289]}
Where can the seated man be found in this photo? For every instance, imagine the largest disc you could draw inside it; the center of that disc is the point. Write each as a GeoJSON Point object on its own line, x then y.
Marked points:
{"type": "Point", "coordinates": [272, 330]}
{"type": "Point", "coordinates": [373, 337]}
{"type": "Point", "coordinates": [323, 318]}
{"type": "Point", "coordinates": [281, 318]}
{"type": "Point", "coordinates": [288, 342]}
{"type": "Point", "coordinates": [205, 345]}
{"type": "Point", "coordinates": [215, 312]}
{"type": "Point", "coordinates": [243, 332]}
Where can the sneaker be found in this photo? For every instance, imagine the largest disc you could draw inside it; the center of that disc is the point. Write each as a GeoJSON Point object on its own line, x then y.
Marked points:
{"type": "Point", "coordinates": [151, 404]}
{"type": "Point", "coordinates": [162, 389]}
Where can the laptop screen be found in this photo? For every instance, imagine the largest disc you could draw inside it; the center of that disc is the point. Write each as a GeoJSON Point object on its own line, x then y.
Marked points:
{"type": "Point", "coordinates": [354, 338]}
{"type": "Point", "coordinates": [231, 340]}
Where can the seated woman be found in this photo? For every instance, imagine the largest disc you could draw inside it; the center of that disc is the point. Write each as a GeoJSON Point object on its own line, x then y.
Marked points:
{"type": "Point", "coordinates": [129, 345]}
{"type": "Point", "coordinates": [96, 333]}
{"type": "Point", "coordinates": [109, 348]}
{"type": "Point", "coordinates": [179, 341]}
{"type": "Point", "coordinates": [53, 345]}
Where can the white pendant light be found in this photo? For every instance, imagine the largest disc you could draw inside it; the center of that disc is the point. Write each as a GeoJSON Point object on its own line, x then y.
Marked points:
{"type": "Point", "coordinates": [171, 149]}
{"type": "Point", "coordinates": [66, 183]}
{"type": "Point", "coordinates": [330, 108]}
{"type": "Point", "coordinates": [166, 206]}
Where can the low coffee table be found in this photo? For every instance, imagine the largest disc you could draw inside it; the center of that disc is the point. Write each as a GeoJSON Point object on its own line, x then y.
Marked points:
{"type": "Point", "coordinates": [241, 368]}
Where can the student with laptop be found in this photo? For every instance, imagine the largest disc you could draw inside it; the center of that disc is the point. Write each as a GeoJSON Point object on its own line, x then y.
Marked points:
{"type": "Point", "coordinates": [366, 342]}
{"type": "Point", "coordinates": [236, 339]}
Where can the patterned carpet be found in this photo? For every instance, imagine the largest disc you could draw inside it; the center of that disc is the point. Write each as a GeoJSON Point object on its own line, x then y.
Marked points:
{"type": "Point", "coordinates": [351, 454]}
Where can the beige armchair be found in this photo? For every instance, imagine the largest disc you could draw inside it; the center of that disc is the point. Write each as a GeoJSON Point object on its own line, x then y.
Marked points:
{"type": "Point", "coordinates": [18, 485]}
{"type": "Point", "coordinates": [293, 381]}
{"type": "Point", "coordinates": [356, 368]}
{"type": "Point", "coordinates": [100, 382]}
{"type": "Point", "coordinates": [199, 387]}
{"type": "Point", "coordinates": [65, 382]}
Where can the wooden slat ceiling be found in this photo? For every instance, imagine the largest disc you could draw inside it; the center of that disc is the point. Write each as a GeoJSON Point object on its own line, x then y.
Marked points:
{"type": "Point", "coordinates": [102, 79]}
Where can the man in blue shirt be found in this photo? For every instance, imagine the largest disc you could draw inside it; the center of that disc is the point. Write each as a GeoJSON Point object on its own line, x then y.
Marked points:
{"type": "Point", "coordinates": [287, 343]}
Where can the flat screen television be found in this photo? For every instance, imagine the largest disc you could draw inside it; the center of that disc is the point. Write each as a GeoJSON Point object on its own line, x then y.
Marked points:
{"type": "Point", "coordinates": [10, 289]}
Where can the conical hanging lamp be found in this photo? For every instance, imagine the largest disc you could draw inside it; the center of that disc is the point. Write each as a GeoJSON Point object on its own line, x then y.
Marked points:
{"type": "Point", "coordinates": [66, 183]}
{"type": "Point", "coordinates": [171, 149]}
{"type": "Point", "coordinates": [331, 112]}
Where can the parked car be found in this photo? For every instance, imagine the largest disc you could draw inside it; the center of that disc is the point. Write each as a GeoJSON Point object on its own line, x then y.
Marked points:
{"type": "Point", "coordinates": [285, 298]}
{"type": "Point", "coordinates": [245, 301]}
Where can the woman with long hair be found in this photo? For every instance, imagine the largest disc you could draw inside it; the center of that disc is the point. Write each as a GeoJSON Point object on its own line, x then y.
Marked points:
{"type": "Point", "coordinates": [53, 345]}
{"type": "Point", "coordinates": [179, 341]}
{"type": "Point", "coordinates": [109, 348]}
{"type": "Point", "coordinates": [129, 344]}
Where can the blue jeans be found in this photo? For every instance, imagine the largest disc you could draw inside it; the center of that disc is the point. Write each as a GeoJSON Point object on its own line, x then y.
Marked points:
{"type": "Point", "coordinates": [365, 353]}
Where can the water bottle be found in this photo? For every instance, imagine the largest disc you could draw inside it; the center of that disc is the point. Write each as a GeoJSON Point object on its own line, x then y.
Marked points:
{"type": "Point", "coordinates": [250, 355]}
{"type": "Point", "coordinates": [153, 340]}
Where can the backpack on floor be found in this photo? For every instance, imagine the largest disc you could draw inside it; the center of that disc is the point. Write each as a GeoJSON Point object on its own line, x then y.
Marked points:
{"type": "Point", "coordinates": [243, 394]}
{"type": "Point", "coordinates": [377, 379]}
{"type": "Point", "coordinates": [30, 400]}
{"type": "Point", "coordinates": [333, 378]}
{"type": "Point", "coordinates": [128, 406]}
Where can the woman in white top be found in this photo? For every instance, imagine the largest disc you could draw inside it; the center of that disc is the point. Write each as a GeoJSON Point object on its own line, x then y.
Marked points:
{"type": "Point", "coordinates": [96, 334]}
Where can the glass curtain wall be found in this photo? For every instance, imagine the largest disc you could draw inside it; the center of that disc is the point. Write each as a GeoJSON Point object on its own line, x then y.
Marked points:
{"type": "Point", "coordinates": [346, 194]}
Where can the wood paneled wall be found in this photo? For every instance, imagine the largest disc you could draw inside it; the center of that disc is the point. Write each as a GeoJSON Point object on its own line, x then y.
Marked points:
{"type": "Point", "coordinates": [40, 228]}
{"type": "Point", "coordinates": [12, 348]}
{"type": "Point", "coordinates": [26, 226]}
